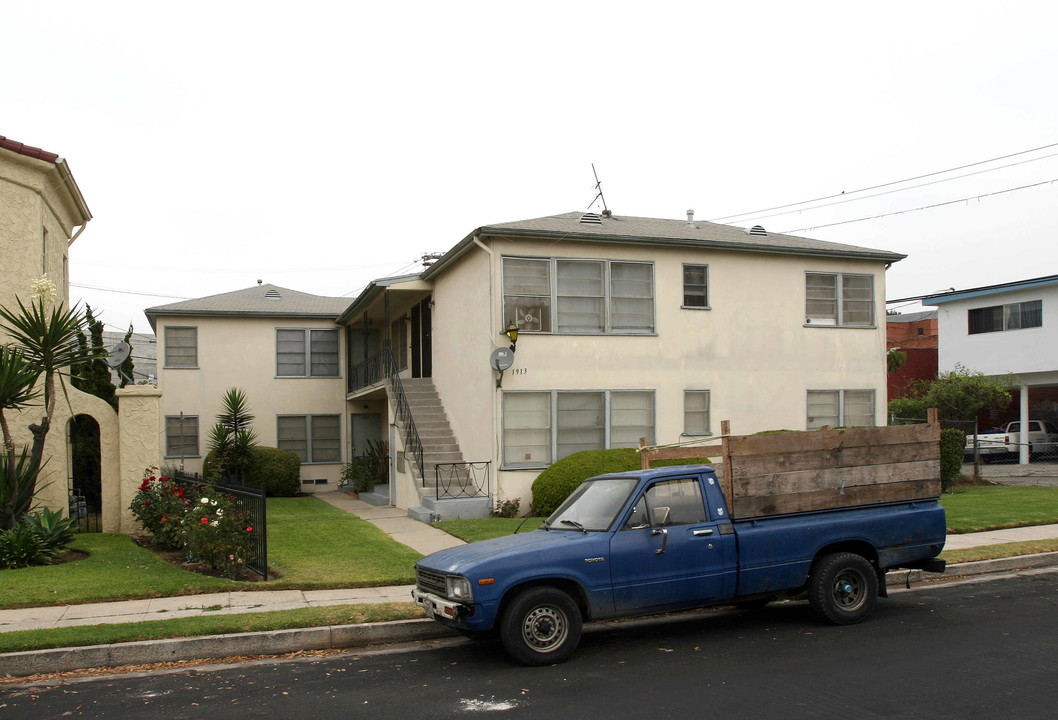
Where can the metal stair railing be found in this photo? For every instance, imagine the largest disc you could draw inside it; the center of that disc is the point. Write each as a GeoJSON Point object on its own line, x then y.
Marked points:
{"type": "Point", "coordinates": [375, 369]}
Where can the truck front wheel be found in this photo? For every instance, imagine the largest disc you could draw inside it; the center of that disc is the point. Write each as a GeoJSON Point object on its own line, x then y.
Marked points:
{"type": "Point", "coordinates": [843, 588]}
{"type": "Point", "coordinates": [541, 626]}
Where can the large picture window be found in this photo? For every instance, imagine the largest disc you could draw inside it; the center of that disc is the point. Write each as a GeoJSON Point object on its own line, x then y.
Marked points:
{"type": "Point", "coordinates": [839, 299]}
{"type": "Point", "coordinates": [313, 438]}
{"type": "Point", "coordinates": [578, 296]}
{"type": "Point", "coordinates": [304, 352]}
{"type": "Point", "coordinates": [541, 427]}
{"type": "Point", "coordinates": [1014, 316]}
{"type": "Point", "coordinates": [181, 347]}
{"type": "Point", "coordinates": [840, 408]}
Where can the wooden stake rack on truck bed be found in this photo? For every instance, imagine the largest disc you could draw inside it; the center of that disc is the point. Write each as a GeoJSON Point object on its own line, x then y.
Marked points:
{"type": "Point", "coordinates": [790, 472]}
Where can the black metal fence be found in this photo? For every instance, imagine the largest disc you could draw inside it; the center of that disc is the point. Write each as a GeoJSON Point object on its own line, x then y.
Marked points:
{"type": "Point", "coordinates": [456, 480]}
{"type": "Point", "coordinates": [85, 513]}
{"type": "Point", "coordinates": [251, 500]}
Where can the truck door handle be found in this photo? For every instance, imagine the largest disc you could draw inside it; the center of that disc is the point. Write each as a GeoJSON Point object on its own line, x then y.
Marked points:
{"type": "Point", "coordinates": [702, 533]}
{"type": "Point", "coordinates": [664, 533]}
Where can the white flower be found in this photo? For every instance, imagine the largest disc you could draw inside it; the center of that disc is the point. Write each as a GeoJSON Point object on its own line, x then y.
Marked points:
{"type": "Point", "coordinates": [204, 501]}
{"type": "Point", "coordinates": [213, 502]}
{"type": "Point", "coordinates": [44, 289]}
{"type": "Point", "coordinates": [220, 512]}
{"type": "Point", "coordinates": [214, 524]}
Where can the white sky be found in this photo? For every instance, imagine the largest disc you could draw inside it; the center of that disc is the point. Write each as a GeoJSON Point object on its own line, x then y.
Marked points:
{"type": "Point", "coordinates": [318, 146]}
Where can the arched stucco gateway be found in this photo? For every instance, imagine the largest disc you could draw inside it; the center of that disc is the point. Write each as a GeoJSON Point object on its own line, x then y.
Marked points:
{"type": "Point", "coordinates": [127, 446]}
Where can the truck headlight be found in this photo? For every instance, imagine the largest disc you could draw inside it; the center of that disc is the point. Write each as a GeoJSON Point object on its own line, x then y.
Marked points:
{"type": "Point", "coordinates": [459, 589]}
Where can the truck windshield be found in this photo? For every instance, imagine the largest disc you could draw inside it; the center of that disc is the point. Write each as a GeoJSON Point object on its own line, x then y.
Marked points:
{"type": "Point", "coordinates": [593, 506]}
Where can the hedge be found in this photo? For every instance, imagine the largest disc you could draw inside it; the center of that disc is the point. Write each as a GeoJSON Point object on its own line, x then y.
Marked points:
{"type": "Point", "coordinates": [556, 483]}
{"type": "Point", "coordinates": [279, 470]}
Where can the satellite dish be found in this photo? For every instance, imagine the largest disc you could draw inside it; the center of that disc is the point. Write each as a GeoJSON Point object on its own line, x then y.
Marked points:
{"type": "Point", "coordinates": [116, 356]}
{"type": "Point", "coordinates": [502, 358]}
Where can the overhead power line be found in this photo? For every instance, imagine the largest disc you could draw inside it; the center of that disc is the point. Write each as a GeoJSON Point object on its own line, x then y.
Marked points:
{"type": "Point", "coordinates": [728, 218]}
{"type": "Point", "coordinates": [127, 292]}
{"type": "Point", "coordinates": [924, 207]}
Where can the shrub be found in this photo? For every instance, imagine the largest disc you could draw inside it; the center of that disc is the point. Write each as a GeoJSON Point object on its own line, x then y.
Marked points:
{"type": "Point", "coordinates": [217, 533]}
{"type": "Point", "coordinates": [20, 547]}
{"type": "Point", "coordinates": [556, 483]}
{"type": "Point", "coordinates": [356, 473]}
{"type": "Point", "coordinates": [952, 442]}
{"type": "Point", "coordinates": [507, 508]}
{"type": "Point", "coordinates": [54, 531]}
{"type": "Point", "coordinates": [159, 505]}
{"type": "Point", "coordinates": [279, 470]}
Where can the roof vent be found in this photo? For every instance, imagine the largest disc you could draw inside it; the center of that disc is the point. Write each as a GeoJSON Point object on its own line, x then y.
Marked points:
{"type": "Point", "coordinates": [758, 230]}
{"type": "Point", "coordinates": [273, 294]}
{"type": "Point", "coordinates": [591, 219]}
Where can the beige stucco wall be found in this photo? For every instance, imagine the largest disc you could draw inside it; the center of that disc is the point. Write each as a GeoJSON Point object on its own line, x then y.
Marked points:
{"type": "Point", "coordinates": [241, 352]}
{"type": "Point", "coordinates": [751, 350]}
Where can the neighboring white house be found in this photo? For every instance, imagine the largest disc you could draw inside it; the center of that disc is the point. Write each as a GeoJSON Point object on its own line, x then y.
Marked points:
{"type": "Point", "coordinates": [281, 347]}
{"type": "Point", "coordinates": [628, 328]}
{"type": "Point", "coordinates": [1006, 329]}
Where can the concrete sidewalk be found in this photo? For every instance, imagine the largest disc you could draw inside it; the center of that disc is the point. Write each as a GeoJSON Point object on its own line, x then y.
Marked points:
{"type": "Point", "coordinates": [424, 538]}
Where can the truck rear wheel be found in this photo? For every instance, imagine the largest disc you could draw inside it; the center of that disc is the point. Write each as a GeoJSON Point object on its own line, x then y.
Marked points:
{"type": "Point", "coordinates": [843, 588]}
{"type": "Point", "coordinates": [541, 626]}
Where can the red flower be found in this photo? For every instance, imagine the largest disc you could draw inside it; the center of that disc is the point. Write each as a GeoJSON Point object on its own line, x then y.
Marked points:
{"type": "Point", "coordinates": [164, 519]}
{"type": "Point", "coordinates": [249, 529]}
{"type": "Point", "coordinates": [205, 521]}
{"type": "Point", "coordinates": [146, 502]}
{"type": "Point", "coordinates": [180, 492]}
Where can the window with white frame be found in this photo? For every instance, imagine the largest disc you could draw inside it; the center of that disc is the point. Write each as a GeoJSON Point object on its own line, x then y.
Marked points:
{"type": "Point", "coordinates": [541, 427]}
{"type": "Point", "coordinates": [840, 408]}
{"type": "Point", "coordinates": [313, 438]}
{"type": "Point", "coordinates": [696, 412]}
{"type": "Point", "coordinates": [578, 296]}
{"type": "Point", "coordinates": [695, 286]}
{"type": "Point", "coordinates": [181, 436]}
{"type": "Point", "coordinates": [306, 352]}
{"type": "Point", "coordinates": [181, 347]}
{"type": "Point", "coordinates": [839, 299]}
{"type": "Point", "coordinates": [1013, 316]}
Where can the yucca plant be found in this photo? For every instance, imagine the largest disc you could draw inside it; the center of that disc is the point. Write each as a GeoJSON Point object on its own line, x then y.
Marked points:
{"type": "Point", "coordinates": [232, 440]}
{"type": "Point", "coordinates": [44, 336]}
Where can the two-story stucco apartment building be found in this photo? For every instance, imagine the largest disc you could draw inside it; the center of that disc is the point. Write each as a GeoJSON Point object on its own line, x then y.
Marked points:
{"type": "Point", "coordinates": [627, 328]}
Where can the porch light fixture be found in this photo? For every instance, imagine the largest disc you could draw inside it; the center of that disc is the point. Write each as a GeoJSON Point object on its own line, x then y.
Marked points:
{"type": "Point", "coordinates": [512, 334]}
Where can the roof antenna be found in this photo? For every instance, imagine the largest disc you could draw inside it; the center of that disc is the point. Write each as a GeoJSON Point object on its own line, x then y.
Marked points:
{"type": "Point", "coordinates": [598, 186]}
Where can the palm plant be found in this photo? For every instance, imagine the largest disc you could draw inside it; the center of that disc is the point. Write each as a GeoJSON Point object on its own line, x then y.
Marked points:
{"type": "Point", "coordinates": [44, 343]}
{"type": "Point", "coordinates": [232, 440]}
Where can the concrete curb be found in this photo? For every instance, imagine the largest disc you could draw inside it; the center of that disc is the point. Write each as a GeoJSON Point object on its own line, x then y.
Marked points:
{"type": "Point", "coordinates": [21, 664]}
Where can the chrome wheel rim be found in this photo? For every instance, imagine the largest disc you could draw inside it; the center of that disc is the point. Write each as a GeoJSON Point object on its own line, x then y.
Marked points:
{"type": "Point", "coordinates": [545, 628]}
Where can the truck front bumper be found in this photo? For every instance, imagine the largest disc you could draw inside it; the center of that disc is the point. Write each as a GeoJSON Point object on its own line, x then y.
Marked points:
{"type": "Point", "coordinates": [439, 608]}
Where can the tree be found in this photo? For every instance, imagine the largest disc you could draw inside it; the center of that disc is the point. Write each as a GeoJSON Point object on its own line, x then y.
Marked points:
{"type": "Point", "coordinates": [958, 395]}
{"type": "Point", "coordinates": [90, 373]}
{"type": "Point", "coordinates": [232, 438]}
{"type": "Point", "coordinates": [44, 342]}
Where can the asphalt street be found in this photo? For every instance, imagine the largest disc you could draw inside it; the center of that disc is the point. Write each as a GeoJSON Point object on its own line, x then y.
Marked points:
{"type": "Point", "coordinates": [984, 648]}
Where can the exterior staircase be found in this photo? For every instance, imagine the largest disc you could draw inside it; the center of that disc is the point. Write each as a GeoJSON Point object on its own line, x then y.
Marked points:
{"type": "Point", "coordinates": [439, 446]}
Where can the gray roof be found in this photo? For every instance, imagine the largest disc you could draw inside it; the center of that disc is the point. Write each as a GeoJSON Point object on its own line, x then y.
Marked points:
{"type": "Point", "coordinates": [912, 317]}
{"type": "Point", "coordinates": [619, 229]}
{"type": "Point", "coordinates": [260, 300]}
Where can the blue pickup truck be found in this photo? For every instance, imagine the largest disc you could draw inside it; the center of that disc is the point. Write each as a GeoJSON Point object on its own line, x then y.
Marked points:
{"type": "Point", "coordinates": [663, 539]}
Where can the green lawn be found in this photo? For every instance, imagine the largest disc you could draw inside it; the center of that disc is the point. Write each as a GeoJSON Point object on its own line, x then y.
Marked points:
{"type": "Point", "coordinates": [311, 545]}
{"type": "Point", "coordinates": [487, 528]}
{"type": "Point", "coordinates": [990, 507]}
